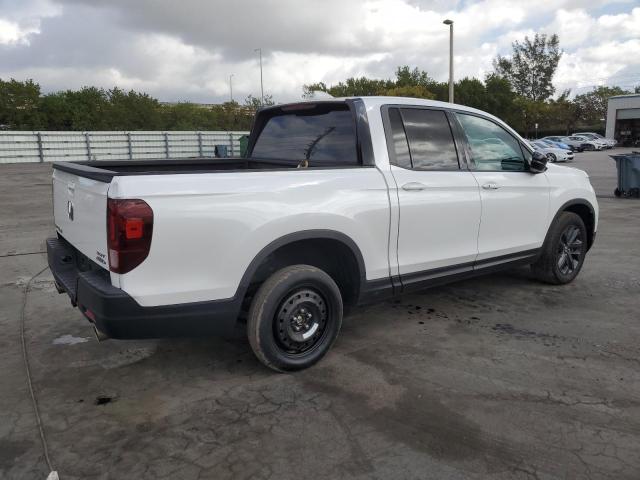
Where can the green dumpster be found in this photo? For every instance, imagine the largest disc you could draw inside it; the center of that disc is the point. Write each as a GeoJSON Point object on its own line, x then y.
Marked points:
{"type": "Point", "coordinates": [628, 166]}
{"type": "Point", "coordinates": [244, 144]}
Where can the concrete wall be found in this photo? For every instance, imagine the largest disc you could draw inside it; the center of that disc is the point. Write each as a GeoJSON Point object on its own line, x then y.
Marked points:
{"type": "Point", "coordinates": [619, 103]}
{"type": "Point", "coordinates": [17, 146]}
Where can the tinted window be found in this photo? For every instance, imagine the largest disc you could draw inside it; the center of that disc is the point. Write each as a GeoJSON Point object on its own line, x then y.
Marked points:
{"type": "Point", "coordinates": [398, 148]}
{"type": "Point", "coordinates": [324, 135]}
{"type": "Point", "coordinates": [492, 147]}
{"type": "Point", "coordinates": [430, 139]}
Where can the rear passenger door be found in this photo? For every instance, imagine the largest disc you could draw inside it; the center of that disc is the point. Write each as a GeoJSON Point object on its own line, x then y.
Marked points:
{"type": "Point", "coordinates": [439, 201]}
{"type": "Point", "coordinates": [515, 202]}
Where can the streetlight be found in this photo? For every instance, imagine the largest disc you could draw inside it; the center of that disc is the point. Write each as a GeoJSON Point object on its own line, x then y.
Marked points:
{"type": "Point", "coordinates": [259, 50]}
{"type": "Point", "coordinates": [450, 23]}
{"type": "Point", "coordinates": [231, 87]}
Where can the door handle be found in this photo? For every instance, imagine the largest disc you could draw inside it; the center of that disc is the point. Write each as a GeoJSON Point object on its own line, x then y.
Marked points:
{"type": "Point", "coordinates": [413, 186]}
{"type": "Point", "coordinates": [491, 186]}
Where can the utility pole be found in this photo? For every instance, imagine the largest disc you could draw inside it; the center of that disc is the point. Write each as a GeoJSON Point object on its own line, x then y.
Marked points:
{"type": "Point", "coordinates": [259, 50]}
{"type": "Point", "coordinates": [450, 23]}
{"type": "Point", "coordinates": [231, 87]}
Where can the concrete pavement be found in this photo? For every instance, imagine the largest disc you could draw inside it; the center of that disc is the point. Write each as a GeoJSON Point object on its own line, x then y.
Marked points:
{"type": "Point", "coordinates": [498, 377]}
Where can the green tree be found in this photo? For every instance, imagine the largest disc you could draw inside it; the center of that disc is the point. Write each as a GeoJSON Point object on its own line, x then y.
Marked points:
{"type": "Point", "coordinates": [19, 103]}
{"type": "Point", "coordinates": [531, 67]}
{"type": "Point", "coordinates": [351, 87]}
{"type": "Point", "coordinates": [254, 104]}
{"type": "Point", "coordinates": [500, 97]}
{"type": "Point", "coordinates": [471, 92]}
{"type": "Point", "coordinates": [564, 112]}
{"type": "Point", "coordinates": [131, 110]}
{"type": "Point", "coordinates": [413, 83]}
{"type": "Point", "coordinates": [413, 91]}
{"type": "Point", "coordinates": [89, 109]}
{"type": "Point", "coordinates": [405, 77]}
{"type": "Point", "coordinates": [183, 116]}
{"type": "Point", "coordinates": [56, 112]}
{"type": "Point", "coordinates": [592, 106]}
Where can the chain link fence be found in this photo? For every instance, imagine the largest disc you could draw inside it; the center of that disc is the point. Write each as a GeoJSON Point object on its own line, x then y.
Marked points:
{"type": "Point", "coordinates": [18, 146]}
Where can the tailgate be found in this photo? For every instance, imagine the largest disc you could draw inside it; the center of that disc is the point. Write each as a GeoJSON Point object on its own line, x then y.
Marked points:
{"type": "Point", "coordinates": [80, 213]}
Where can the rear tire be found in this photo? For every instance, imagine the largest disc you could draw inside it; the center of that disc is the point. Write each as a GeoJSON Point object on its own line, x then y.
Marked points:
{"type": "Point", "coordinates": [563, 251]}
{"type": "Point", "coordinates": [294, 318]}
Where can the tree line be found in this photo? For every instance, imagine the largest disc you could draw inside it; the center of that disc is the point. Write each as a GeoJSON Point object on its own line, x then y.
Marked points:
{"type": "Point", "coordinates": [24, 107]}
{"type": "Point", "coordinates": [519, 90]}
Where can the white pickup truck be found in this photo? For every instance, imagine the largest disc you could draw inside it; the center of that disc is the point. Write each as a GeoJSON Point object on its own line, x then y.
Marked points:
{"type": "Point", "coordinates": [336, 204]}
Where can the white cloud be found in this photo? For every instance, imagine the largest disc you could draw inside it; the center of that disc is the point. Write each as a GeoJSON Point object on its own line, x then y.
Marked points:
{"type": "Point", "coordinates": [186, 50]}
{"type": "Point", "coordinates": [10, 32]}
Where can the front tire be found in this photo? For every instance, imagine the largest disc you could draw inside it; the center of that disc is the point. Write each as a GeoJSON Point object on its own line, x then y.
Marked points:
{"type": "Point", "coordinates": [563, 251]}
{"type": "Point", "coordinates": [552, 158]}
{"type": "Point", "coordinates": [294, 318]}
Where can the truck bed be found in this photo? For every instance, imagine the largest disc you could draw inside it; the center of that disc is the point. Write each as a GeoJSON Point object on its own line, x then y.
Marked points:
{"type": "Point", "coordinates": [104, 171]}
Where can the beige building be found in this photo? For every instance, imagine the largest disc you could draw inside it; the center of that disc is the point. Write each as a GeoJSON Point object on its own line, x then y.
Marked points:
{"type": "Point", "coordinates": [623, 119]}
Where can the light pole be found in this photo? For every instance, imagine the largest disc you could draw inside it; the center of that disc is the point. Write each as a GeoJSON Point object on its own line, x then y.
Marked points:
{"type": "Point", "coordinates": [231, 87]}
{"type": "Point", "coordinates": [259, 50]}
{"type": "Point", "coordinates": [450, 23]}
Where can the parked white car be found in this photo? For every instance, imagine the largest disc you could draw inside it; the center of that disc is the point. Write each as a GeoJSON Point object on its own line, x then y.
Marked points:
{"type": "Point", "coordinates": [337, 204]}
{"type": "Point", "coordinates": [587, 143]}
{"type": "Point", "coordinates": [610, 142]}
{"type": "Point", "coordinates": [554, 154]}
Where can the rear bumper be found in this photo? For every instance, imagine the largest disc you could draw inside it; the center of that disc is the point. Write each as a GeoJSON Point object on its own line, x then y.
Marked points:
{"type": "Point", "coordinates": [117, 315]}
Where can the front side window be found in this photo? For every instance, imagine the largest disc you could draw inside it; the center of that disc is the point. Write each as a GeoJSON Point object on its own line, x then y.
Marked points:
{"type": "Point", "coordinates": [492, 147]}
{"type": "Point", "coordinates": [323, 135]}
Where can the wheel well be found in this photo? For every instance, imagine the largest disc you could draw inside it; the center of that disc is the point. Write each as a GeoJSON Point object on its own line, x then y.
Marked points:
{"type": "Point", "coordinates": [585, 213]}
{"type": "Point", "coordinates": [330, 255]}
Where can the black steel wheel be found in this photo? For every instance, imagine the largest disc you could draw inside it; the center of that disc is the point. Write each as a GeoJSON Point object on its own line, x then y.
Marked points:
{"type": "Point", "coordinates": [564, 250]}
{"type": "Point", "coordinates": [294, 318]}
{"type": "Point", "coordinates": [301, 321]}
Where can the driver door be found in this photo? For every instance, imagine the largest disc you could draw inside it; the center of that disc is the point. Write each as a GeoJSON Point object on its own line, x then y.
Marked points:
{"type": "Point", "coordinates": [515, 202]}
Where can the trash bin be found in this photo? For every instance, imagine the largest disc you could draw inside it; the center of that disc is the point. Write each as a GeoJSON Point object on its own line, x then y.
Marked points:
{"type": "Point", "coordinates": [221, 151]}
{"type": "Point", "coordinates": [628, 166]}
{"type": "Point", "coordinates": [244, 144]}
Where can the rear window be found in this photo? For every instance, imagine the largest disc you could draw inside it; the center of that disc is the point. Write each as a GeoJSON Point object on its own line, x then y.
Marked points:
{"type": "Point", "coordinates": [324, 135]}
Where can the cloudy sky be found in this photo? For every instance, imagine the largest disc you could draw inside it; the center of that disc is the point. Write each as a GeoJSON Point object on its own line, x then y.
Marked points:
{"type": "Point", "coordinates": [185, 50]}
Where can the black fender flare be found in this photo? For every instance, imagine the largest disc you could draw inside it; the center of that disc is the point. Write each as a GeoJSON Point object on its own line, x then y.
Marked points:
{"type": "Point", "coordinates": [570, 203]}
{"type": "Point", "coordinates": [314, 234]}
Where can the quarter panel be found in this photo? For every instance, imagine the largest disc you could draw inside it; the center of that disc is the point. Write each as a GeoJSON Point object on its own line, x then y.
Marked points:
{"type": "Point", "coordinates": [209, 227]}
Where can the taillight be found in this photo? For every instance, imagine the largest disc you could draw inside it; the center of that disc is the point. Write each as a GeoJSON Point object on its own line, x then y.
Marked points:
{"type": "Point", "coordinates": [129, 231]}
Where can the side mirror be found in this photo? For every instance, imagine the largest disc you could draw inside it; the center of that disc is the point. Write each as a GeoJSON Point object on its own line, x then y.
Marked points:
{"type": "Point", "coordinates": [538, 162]}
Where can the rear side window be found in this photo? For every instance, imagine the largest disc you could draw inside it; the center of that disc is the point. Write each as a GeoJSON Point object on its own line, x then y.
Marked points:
{"type": "Point", "coordinates": [399, 139]}
{"type": "Point", "coordinates": [324, 135]}
{"type": "Point", "coordinates": [422, 139]}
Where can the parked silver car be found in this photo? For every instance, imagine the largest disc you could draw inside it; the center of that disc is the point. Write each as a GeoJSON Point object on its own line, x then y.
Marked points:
{"type": "Point", "coordinates": [587, 144]}
{"type": "Point", "coordinates": [553, 154]}
{"type": "Point", "coordinates": [609, 141]}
